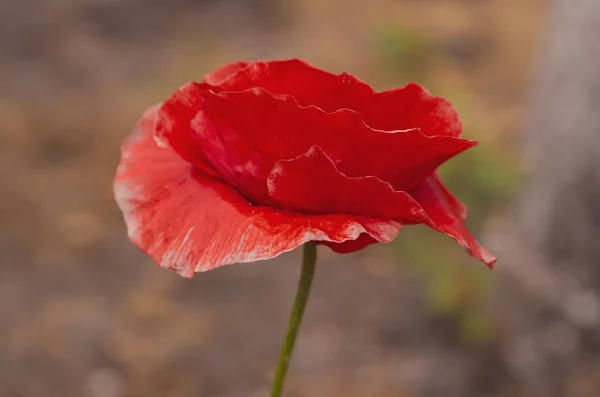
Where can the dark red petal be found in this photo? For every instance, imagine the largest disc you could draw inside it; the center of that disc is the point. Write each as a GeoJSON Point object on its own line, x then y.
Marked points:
{"type": "Point", "coordinates": [350, 246]}
{"type": "Point", "coordinates": [311, 184]}
{"type": "Point", "coordinates": [220, 75]}
{"type": "Point", "coordinates": [446, 215]}
{"type": "Point", "coordinates": [189, 221]}
{"type": "Point", "coordinates": [398, 109]}
{"type": "Point", "coordinates": [254, 129]}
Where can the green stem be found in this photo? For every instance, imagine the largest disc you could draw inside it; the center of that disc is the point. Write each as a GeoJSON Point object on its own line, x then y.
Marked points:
{"type": "Point", "coordinates": [306, 276]}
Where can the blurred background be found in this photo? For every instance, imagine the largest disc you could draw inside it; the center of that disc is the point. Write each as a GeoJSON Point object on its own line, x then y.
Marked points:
{"type": "Point", "coordinates": [84, 313]}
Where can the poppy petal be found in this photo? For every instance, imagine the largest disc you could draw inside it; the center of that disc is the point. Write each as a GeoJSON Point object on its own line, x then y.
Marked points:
{"type": "Point", "coordinates": [411, 106]}
{"type": "Point", "coordinates": [455, 205]}
{"type": "Point", "coordinates": [311, 184]}
{"type": "Point", "coordinates": [309, 85]}
{"type": "Point", "coordinates": [190, 221]}
{"type": "Point", "coordinates": [238, 136]}
{"type": "Point", "coordinates": [399, 109]}
{"type": "Point", "coordinates": [253, 129]}
{"type": "Point", "coordinates": [446, 214]}
{"type": "Point", "coordinates": [172, 127]}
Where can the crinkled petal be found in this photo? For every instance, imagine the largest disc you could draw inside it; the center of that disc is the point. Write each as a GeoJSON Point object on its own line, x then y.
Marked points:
{"type": "Point", "coordinates": [176, 113]}
{"type": "Point", "coordinates": [190, 221]}
{"type": "Point", "coordinates": [181, 125]}
{"type": "Point", "coordinates": [280, 108]}
{"type": "Point", "coordinates": [446, 215]}
{"type": "Point", "coordinates": [411, 106]}
{"type": "Point", "coordinates": [247, 132]}
{"type": "Point", "coordinates": [399, 109]}
{"type": "Point", "coordinates": [311, 184]}
{"type": "Point", "coordinates": [308, 84]}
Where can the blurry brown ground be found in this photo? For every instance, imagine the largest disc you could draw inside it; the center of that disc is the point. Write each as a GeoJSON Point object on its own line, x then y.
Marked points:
{"type": "Point", "coordinates": [83, 313]}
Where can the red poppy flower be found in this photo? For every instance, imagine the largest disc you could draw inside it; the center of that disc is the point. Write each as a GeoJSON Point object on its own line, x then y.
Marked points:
{"type": "Point", "coordinates": [261, 157]}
